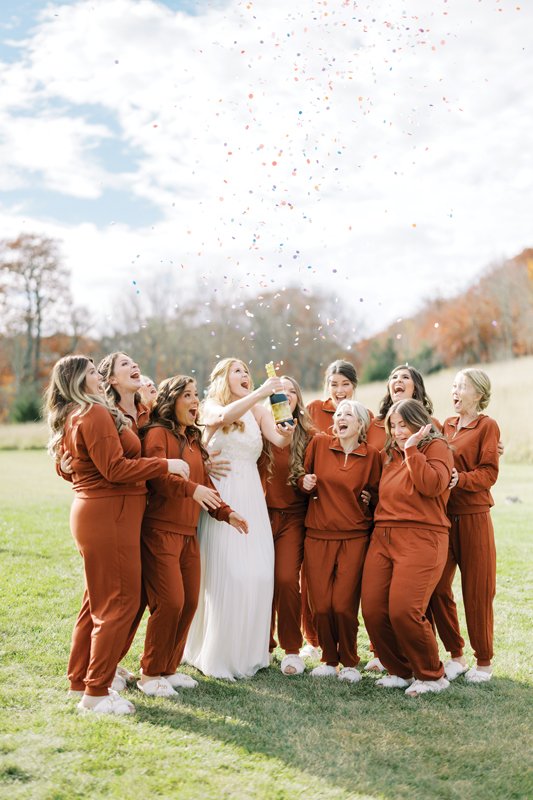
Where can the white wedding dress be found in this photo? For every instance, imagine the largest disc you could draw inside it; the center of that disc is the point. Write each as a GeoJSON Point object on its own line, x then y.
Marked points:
{"type": "Point", "coordinates": [230, 632]}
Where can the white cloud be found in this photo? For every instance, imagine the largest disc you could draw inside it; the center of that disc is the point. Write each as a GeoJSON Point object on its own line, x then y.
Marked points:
{"type": "Point", "coordinates": [390, 146]}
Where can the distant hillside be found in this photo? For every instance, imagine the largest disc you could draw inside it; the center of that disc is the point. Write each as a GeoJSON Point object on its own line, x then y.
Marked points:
{"type": "Point", "coordinates": [512, 389]}
{"type": "Point", "coordinates": [492, 320]}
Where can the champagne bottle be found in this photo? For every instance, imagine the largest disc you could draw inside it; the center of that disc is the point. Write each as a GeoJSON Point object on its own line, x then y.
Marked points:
{"type": "Point", "coordinates": [279, 401]}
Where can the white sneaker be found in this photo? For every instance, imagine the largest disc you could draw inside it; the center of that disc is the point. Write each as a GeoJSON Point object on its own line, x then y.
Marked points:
{"type": "Point", "coordinates": [179, 680]}
{"type": "Point", "coordinates": [309, 652]}
{"type": "Point", "coordinates": [394, 682]}
{"type": "Point", "coordinates": [375, 665]}
{"type": "Point", "coordinates": [422, 687]}
{"type": "Point", "coordinates": [157, 687]}
{"type": "Point", "coordinates": [324, 671]}
{"type": "Point", "coordinates": [350, 674]}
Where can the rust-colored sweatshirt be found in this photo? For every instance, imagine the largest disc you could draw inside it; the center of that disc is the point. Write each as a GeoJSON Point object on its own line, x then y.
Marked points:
{"type": "Point", "coordinates": [475, 455]}
{"type": "Point", "coordinates": [335, 509]}
{"type": "Point", "coordinates": [280, 494]}
{"type": "Point", "coordinates": [413, 491]}
{"type": "Point", "coordinates": [104, 462]}
{"type": "Point", "coordinates": [170, 504]}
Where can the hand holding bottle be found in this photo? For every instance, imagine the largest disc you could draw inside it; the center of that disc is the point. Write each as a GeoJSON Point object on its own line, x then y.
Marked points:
{"type": "Point", "coordinates": [270, 386]}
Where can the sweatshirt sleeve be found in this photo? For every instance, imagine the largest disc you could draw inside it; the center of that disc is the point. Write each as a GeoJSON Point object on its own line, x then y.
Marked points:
{"type": "Point", "coordinates": [486, 472]}
{"type": "Point", "coordinates": [431, 469]}
{"type": "Point", "coordinates": [105, 450]}
{"type": "Point", "coordinates": [154, 445]}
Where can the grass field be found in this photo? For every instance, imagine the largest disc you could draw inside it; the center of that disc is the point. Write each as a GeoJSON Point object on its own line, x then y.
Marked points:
{"type": "Point", "coordinates": [269, 738]}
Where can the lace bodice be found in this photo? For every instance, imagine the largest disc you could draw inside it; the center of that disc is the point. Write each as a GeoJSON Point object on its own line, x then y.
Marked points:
{"type": "Point", "coordinates": [239, 445]}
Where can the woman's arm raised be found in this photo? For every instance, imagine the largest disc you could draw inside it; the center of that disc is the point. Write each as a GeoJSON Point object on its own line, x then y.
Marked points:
{"type": "Point", "coordinates": [216, 416]}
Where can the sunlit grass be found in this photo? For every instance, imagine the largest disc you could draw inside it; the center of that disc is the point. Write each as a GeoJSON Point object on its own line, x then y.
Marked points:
{"type": "Point", "coordinates": [269, 738]}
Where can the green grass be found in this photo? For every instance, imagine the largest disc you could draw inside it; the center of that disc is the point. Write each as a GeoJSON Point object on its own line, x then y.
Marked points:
{"type": "Point", "coordinates": [269, 737]}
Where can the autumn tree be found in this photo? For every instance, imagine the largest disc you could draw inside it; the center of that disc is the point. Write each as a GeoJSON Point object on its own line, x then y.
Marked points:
{"type": "Point", "coordinates": [35, 297]}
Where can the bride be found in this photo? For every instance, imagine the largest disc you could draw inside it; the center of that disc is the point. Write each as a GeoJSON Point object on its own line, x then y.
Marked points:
{"type": "Point", "coordinates": [229, 635]}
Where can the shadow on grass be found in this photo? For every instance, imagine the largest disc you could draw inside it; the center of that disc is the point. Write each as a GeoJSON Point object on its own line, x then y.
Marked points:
{"type": "Point", "coordinates": [363, 738]}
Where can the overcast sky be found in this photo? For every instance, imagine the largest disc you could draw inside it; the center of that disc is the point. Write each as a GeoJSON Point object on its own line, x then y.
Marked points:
{"type": "Point", "coordinates": [381, 149]}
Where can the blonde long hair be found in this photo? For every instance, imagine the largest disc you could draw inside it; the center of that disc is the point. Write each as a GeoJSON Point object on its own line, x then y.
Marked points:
{"type": "Point", "coordinates": [218, 390]}
{"type": "Point", "coordinates": [66, 391]}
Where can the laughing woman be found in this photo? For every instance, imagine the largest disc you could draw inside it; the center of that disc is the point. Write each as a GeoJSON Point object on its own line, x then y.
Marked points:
{"type": "Point", "coordinates": [474, 438]}
{"type": "Point", "coordinates": [404, 383]}
{"type": "Point", "coordinates": [408, 549]}
{"type": "Point", "coordinates": [230, 632]}
{"type": "Point", "coordinates": [108, 478]}
{"type": "Point", "coordinates": [169, 547]}
{"type": "Point", "coordinates": [338, 523]}
{"type": "Point", "coordinates": [287, 507]}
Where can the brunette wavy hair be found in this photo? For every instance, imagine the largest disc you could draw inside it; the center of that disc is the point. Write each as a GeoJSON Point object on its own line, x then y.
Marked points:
{"type": "Point", "coordinates": [419, 392]}
{"type": "Point", "coordinates": [304, 430]}
{"type": "Point", "coordinates": [415, 416]}
{"type": "Point", "coordinates": [67, 392]}
{"type": "Point", "coordinates": [163, 414]}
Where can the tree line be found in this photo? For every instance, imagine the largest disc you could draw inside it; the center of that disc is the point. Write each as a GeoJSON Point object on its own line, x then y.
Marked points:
{"type": "Point", "coordinates": [302, 331]}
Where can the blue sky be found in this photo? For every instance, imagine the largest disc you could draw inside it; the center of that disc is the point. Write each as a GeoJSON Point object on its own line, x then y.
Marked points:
{"type": "Point", "coordinates": [241, 146]}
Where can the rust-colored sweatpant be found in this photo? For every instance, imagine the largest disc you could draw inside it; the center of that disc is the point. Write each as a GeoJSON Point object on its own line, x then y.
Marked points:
{"type": "Point", "coordinates": [107, 533]}
{"type": "Point", "coordinates": [473, 550]}
{"type": "Point", "coordinates": [402, 568]}
{"type": "Point", "coordinates": [308, 621]}
{"type": "Point", "coordinates": [334, 568]}
{"type": "Point", "coordinates": [288, 530]}
{"type": "Point", "coordinates": [171, 578]}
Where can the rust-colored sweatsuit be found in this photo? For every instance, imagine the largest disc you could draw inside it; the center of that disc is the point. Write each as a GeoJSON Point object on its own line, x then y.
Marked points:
{"type": "Point", "coordinates": [472, 547]}
{"type": "Point", "coordinates": [109, 481]}
{"type": "Point", "coordinates": [287, 507]}
{"type": "Point", "coordinates": [170, 552]}
{"type": "Point", "coordinates": [84, 624]}
{"type": "Point", "coordinates": [337, 527]}
{"type": "Point", "coordinates": [406, 557]}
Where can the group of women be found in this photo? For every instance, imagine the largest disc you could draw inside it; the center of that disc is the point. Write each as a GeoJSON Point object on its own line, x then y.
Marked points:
{"type": "Point", "coordinates": [232, 529]}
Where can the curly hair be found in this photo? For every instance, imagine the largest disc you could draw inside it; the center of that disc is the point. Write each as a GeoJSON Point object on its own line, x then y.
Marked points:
{"type": "Point", "coordinates": [419, 392]}
{"type": "Point", "coordinates": [163, 414]}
